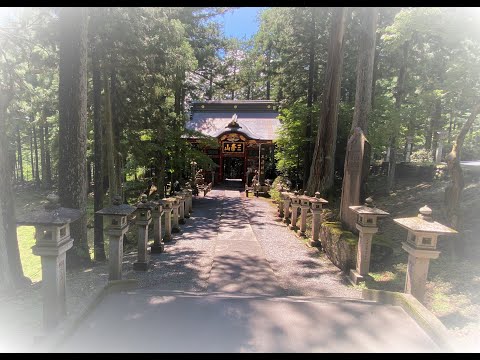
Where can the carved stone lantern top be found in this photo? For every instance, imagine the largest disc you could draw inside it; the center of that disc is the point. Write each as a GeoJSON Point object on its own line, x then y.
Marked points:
{"type": "Point", "coordinates": [318, 199]}
{"type": "Point", "coordinates": [145, 204]}
{"type": "Point", "coordinates": [49, 214]}
{"type": "Point", "coordinates": [117, 208]}
{"type": "Point", "coordinates": [424, 222]}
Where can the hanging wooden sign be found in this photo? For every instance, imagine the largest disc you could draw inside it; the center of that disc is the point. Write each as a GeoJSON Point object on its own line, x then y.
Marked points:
{"type": "Point", "coordinates": [233, 147]}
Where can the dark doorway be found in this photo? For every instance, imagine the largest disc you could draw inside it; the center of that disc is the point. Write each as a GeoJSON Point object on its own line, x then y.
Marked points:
{"type": "Point", "coordinates": [233, 168]}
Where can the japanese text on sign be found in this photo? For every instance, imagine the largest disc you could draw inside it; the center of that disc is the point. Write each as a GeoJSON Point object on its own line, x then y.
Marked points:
{"type": "Point", "coordinates": [231, 147]}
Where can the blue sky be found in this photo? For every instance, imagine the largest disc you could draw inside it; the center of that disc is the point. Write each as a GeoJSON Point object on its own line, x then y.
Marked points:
{"type": "Point", "coordinates": [241, 22]}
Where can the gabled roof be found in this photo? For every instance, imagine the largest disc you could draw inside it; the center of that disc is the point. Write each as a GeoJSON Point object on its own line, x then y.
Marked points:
{"type": "Point", "coordinates": [256, 119]}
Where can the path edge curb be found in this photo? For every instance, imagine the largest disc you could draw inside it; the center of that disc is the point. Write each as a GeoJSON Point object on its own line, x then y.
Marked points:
{"type": "Point", "coordinates": [65, 330]}
{"type": "Point", "coordinates": [417, 311]}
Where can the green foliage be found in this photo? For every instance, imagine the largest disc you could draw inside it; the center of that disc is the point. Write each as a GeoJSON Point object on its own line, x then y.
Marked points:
{"type": "Point", "coordinates": [291, 138]}
{"type": "Point", "coordinates": [421, 156]}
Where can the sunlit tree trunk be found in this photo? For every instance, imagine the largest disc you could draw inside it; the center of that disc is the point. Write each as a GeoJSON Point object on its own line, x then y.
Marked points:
{"type": "Point", "coordinates": [72, 134]}
{"type": "Point", "coordinates": [322, 169]}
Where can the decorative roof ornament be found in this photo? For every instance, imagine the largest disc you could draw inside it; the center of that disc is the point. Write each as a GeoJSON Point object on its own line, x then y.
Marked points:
{"type": "Point", "coordinates": [233, 124]}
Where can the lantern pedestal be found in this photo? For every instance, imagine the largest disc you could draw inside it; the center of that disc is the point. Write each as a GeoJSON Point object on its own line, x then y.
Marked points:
{"type": "Point", "coordinates": [316, 208]}
{"type": "Point", "coordinates": [175, 213]}
{"type": "Point", "coordinates": [417, 269]}
{"type": "Point", "coordinates": [286, 208]}
{"type": "Point", "coordinates": [295, 205]}
{"type": "Point", "coordinates": [167, 206]}
{"type": "Point", "coordinates": [53, 278]}
{"type": "Point", "coordinates": [157, 246]}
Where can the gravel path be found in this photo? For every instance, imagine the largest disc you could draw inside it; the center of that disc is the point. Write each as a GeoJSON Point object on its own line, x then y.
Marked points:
{"type": "Point", "coordinates": [300, 269]}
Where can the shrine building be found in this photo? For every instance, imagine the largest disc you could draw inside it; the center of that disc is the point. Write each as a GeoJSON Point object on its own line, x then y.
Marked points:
{"type": "Point", "coordinates": [245, 131]}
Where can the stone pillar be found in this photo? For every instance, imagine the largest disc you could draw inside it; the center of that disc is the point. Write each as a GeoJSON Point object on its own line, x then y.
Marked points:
{"type": "Point", "coordinates": [189, 192]}
{"type": "Point", "coordinates": [213, 178]}
{"type": "Point", "coordinates": [286, 208]}
{"type": "Point", "coordinates": [304, 206]}
{"type": "Point", "coordinates": [367, 215]}
{"type": "Point", "coordinates": [157, 213]}
{"type": "Point", "coordinates": [280, 203]}
{"type": "Point", "coordinates": [52, 240]}
{"type": "Point", "coordinates": [295, 206]}
{"type": "Point", "coordinates": [167, 207]}
{"type": "Point", "coordinates": [175, 211]}
{"type": "Point", "coordinates": [144, 218]}
{"type": "Point", "coordinates": [421, 247]}
{"type": "Point", "coordinates": [181, 208]}
{"type": "Point", "coordinates": [117, 227]}
{"type": "Point", "coordinates": [316, 208]}
{"type": "Point", "coordinates": [356, 169]}
{"type": "Point", "coordinates": [187, 203]}
{"type": "Point", "coordinates": [438, 154]}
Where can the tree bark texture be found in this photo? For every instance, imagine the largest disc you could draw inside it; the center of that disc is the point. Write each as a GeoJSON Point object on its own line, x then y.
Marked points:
{"type": "Point", "coordinates": [365, 60]}
{"type": "Point", "coordinates": [11, 272]}
{"type": "Point", "coordinates": [453, 192]}
{"type": "Point", "coordinates": [72, 162]}
{"type": "Point", "coordinates": [399, 96]}
{"type": "Point", "coordinates": [110, 158]}
{"type": "Point", "coordinates": [48, 166]}
{"type": "Point", "coordinates": [19, 154]}
{"type": "Point", "coordinates": [307, 149]}
{"type": "Point", "coordinates": [98, 241]}
{"type": "Point", "coordinates": [322, 169]}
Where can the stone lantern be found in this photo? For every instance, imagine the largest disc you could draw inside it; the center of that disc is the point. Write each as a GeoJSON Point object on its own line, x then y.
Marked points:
{"type": "Point", "coordinates": [367, 216]}
{"type": "Point", "coordinates": [181, 208]}
{"type": "Point", "coordinates": [52, 240]}
{"type": "Point", "coordinates": [175, 209]}
{"type": "Point", "coordinates": [167, 208]}
{"type": "Point", "coordinates": [157, 213]}
{"type": "Point", "coordinates": [189, 191]}
{"type": "Point", "coordinates": [281, 190]}
{"type": "Point", "coordinates": [117, 226]}
{"type": "Point", "coordinates": [421, 246]}
{"type": "Point", "coordinates": [316, 208]}
{"type": "Point", "coordinates": [286, 207]}
{"type": "Point", "coordinates": [304, 206]}
{"type": "Point", "coordinates": [187, 203]}
{"type": "Point", "coordinates": [143, 220]}
{"type": "Point", "coordinates": [295, 205]}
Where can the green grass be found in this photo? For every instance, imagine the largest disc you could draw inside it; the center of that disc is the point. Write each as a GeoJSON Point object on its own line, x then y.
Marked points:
{"type": "Point", "coordinates": [31, 264]}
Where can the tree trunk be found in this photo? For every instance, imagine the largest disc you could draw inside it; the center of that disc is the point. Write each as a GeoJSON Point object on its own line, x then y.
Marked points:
{"type": "Point", "coordinates": [366, 54]}
{"type": "Point", "coordinates": [268, 71]}
{"type": "Point", "coordinates": [35, 149]}
{"type": "Point", "coordinates": [11, 272]}
{"type": "Point", "coordinates": [357, 159]}
{"type": "Point", "coordinates": [116, 127]}
{"type": "Point", "coordinates": [98, 241]}
{"type": "Point", "coordinates": [72, 133]}
{"type": "Point", "coordinates": [375, 69]}
{"type": "Point", "coordinates": [399, 96]}
{"type": "Point", "coordinates": [48, 166]}
{"type": "Point", "coordinates": [19, 154]}
{"type": "Point", "coordinates": [112, 184]}
{"type": "Point", "coordinates": [32, 162]}
{"type": "Point", "coordinates": [453, 192]}
{"type": "Point", "coordinates": [307, 148]}
{"type": "Point", "coordinates": [436, 121]}
{"type": "Point", "coordinates": [322, 169]}
{"type": "Point", "coordinates": [42, 151]}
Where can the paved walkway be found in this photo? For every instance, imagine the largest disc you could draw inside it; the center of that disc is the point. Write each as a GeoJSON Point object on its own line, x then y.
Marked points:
{"type": "Point", "coordinates": [235, 279]}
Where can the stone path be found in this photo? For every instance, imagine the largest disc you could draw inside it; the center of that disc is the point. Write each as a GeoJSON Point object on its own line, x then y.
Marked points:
{"type": "Point", "coordinates": [236, 280]}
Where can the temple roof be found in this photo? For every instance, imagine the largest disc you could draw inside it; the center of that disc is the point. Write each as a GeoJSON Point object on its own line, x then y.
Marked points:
{"type": "Point", "coordinates": [255, 119]}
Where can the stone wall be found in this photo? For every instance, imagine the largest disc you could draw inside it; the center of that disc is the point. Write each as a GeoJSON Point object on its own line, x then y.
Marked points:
{"type": "Point", "coordinates": [339, 245]}
{"type": "Point", "coordinates": [420, 172]}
